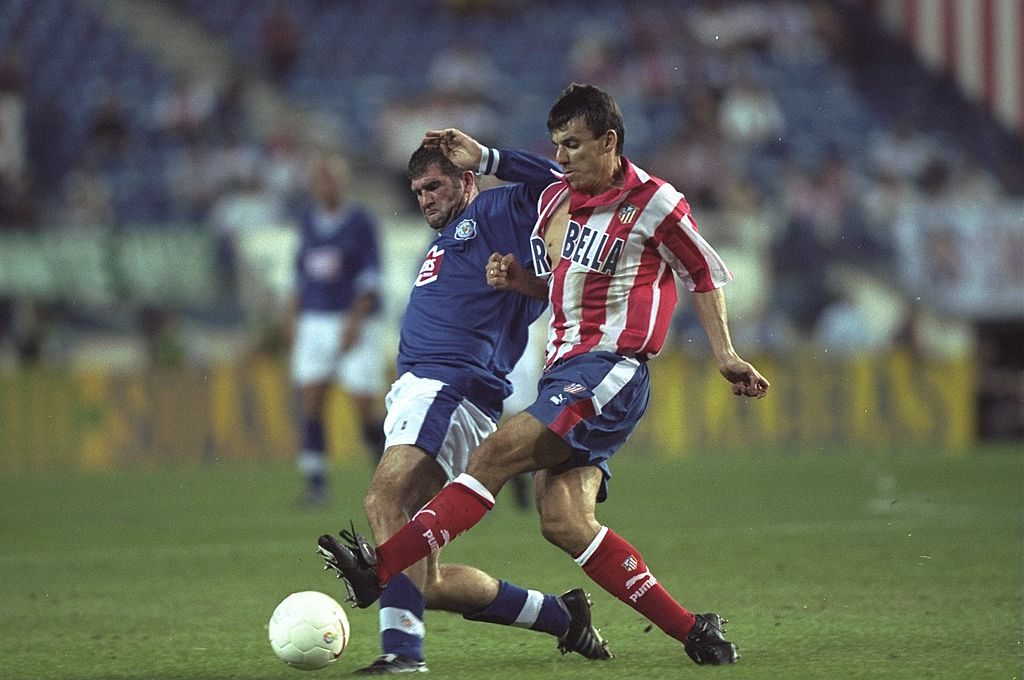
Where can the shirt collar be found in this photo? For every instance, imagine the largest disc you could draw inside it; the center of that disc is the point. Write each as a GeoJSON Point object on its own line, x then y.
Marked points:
{"type": "Point", "coordinates": [630, 181]}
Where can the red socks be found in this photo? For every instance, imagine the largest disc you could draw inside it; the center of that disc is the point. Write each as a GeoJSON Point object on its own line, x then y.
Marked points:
{"type": "Point", "coordinates": [457, 508]}
{"type": "Point", "coordinates": [617, 567]}
{"type": "Point", "coordinates": [610, 561]}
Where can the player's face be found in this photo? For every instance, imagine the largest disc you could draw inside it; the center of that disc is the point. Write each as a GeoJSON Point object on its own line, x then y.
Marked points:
{"type": "Point", "coordinates": [589, 163]}
{"type": "Point", "coordinates": [441, 197]}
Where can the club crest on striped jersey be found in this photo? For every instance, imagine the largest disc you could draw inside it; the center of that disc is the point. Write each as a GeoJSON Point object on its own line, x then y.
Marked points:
{"type": "Point", "coordinates": [589, 247]}
{"type": "Point", "coordinates": [627, 213]}
{"type": "Point", "coordinates": [465, 230]}
{"type": "Point", "coordinates": [630, 563]}
{"type": "Point", "coordinates": [431, 266]}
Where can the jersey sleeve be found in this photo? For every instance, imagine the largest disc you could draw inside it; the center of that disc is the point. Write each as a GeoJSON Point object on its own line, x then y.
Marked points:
{"type": "Point", "coordinates": [692, 258]}
{"type": "Point", "coordinates": [523, 167]}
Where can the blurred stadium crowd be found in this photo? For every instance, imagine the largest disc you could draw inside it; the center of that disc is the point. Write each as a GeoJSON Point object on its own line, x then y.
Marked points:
{"type": "Point", "coordinates": [861, 200]}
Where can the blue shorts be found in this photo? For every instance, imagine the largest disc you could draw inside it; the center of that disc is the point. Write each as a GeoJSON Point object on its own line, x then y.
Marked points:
{"type": "Point", "coordinates": [593, 402]}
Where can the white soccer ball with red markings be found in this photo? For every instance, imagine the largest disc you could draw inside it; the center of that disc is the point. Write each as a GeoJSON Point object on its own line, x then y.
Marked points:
{"type": "Point", "coordinates": [308, 630]}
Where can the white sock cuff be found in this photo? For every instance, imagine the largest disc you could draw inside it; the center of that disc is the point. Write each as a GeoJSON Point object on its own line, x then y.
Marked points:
{"type": "Point", "coordinates": [476, 487]}
{"type": "Point", "coordinates": [592, 548]}
{"type": "Point", "coordinates": [402, 620]}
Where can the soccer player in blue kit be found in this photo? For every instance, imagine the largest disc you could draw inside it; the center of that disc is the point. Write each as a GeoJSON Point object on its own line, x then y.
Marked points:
{"type": "Point", "coordinates": [336, 334]}
{"type": "Point", "coordinates": [459, 340]}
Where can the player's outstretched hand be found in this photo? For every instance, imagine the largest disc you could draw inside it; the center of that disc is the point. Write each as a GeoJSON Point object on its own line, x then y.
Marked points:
{"type": "Point", "coordinates": [746, 381]}
{"type": "Point", "coordinates": [461, 149]}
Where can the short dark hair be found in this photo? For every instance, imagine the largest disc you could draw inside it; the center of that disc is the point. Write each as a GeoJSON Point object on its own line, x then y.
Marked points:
{"type": "Point", "coordinates": [593, 106]}
{"type": "Point", "coordinates": [423, 157]}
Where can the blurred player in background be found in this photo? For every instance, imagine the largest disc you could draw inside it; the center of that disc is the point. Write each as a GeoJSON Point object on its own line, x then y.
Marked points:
{"type": "Point", "coordinates": [459, 340]}
{"type": "Point", "coordinates": [336, 330]}
{"type": "Point", "coordinates": [609, 239]}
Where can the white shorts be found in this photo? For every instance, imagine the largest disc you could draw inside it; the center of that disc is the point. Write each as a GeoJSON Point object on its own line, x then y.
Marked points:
{"type": "Point", "coordinates": [316, 354]}
{"type": "Point", "coordinates": [433, 416]}
{"type": "Point", "coordinates": [527, 372]}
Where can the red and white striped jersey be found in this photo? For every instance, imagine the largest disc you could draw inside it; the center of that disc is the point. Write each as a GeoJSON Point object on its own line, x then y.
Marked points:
{"type": "Point", "coordinates": [612, 288]}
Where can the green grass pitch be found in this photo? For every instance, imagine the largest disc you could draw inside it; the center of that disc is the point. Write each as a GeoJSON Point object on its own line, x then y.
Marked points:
{"type": "Point", "coordinates": [828, 566]}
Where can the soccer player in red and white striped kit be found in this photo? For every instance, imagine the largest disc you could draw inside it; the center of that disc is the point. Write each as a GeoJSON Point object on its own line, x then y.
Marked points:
{"type": "Point", "coordinates": [609, 240]}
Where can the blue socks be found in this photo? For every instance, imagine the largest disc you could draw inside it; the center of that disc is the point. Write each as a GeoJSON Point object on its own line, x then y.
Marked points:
{"type": "Point", "coordinates": [312, 460]}
{"type": "Point", "coordinates": [402, 604]}
{"type": "Point", "coordinates": [523, 608]}
{"type": "Point", "coordinates": [401, 618]}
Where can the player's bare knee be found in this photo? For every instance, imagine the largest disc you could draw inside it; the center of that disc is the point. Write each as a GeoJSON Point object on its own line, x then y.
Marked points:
{"type": "Point", "coordinates": [508, 452]}
{"type": "Point", "coordinates": [572, 535]}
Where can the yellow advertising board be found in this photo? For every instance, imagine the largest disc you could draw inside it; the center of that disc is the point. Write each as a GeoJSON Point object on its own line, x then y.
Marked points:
{"type": "Point", "coordinates": [51, 419]}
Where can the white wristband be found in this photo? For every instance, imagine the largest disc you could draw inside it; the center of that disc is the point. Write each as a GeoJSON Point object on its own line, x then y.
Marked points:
{"type": "Point", "coordinates": [488, 160]}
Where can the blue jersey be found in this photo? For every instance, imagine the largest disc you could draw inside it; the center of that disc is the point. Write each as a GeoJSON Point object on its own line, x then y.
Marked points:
{"type": "Point", "coordinates": [456, 328]}
{"type": "Point", "coordinates": [337, 260]}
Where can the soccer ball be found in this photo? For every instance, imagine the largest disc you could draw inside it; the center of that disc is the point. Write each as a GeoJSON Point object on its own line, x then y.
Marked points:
{"type": "Point", "coordinates": [308, 630]}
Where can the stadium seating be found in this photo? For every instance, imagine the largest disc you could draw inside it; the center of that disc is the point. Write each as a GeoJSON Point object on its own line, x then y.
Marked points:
{"type": "Point", "coordinates": [72, 61]}
{"type": "Point", "coordinates": [356, 57]}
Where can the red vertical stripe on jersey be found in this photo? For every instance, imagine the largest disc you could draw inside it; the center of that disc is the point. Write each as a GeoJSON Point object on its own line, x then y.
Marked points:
{"type": "Point", "coordinates": [673, 235]}
{"type": "Point", "coordinates": [557, 297]}
{"type": "Point", "coordinates": [641, 305]}
{"type": "Point", "coordinates": [567, 419]}
{"type": "Point", "coordinates": [593, 316]}
{"type": "Point", "coordinates": [663, 318]}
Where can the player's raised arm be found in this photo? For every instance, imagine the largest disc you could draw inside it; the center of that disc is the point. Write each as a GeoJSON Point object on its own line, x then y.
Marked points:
{"type": "Point", "coordinates": [510, 165]}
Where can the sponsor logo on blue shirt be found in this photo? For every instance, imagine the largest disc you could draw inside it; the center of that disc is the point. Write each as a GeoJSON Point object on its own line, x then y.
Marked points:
{"type": "Point", "coordinates": [431, 266]}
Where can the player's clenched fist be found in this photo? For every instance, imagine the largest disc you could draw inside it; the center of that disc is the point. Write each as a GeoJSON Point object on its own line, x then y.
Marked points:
{"type": "Point", "coordinates": [498, 271]}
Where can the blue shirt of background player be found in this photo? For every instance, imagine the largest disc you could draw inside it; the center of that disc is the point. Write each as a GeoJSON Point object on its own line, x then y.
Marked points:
{"type": "Point", "coordinates": [456, 328]}
{"type": "Point", "coordinates": [337, 260]}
